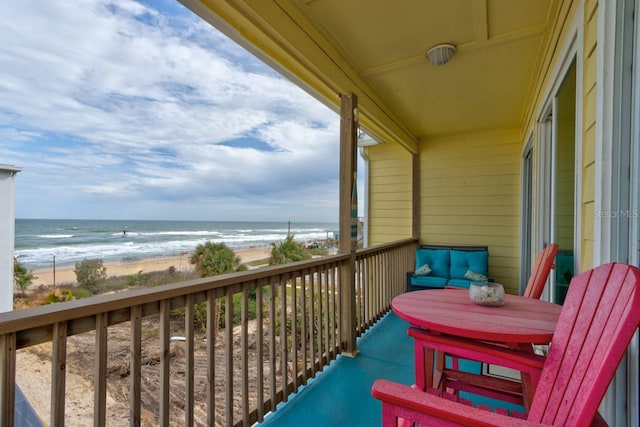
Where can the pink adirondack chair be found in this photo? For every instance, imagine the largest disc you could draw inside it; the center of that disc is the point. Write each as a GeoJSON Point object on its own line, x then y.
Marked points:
{"type": "Point", "coordinates": [497, 388]}
{"type": "Point", "coordinates": [540, 271]}
{"type": "Point", "coordinates": [599, 317]}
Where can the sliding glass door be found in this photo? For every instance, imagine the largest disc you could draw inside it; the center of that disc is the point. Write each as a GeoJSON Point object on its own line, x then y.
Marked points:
{"type": "Point", "coordinates": [556, 183]}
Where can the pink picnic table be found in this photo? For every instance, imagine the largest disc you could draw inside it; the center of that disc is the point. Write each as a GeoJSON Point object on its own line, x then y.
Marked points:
{"type": "Point", "coordinates": [519, 323]}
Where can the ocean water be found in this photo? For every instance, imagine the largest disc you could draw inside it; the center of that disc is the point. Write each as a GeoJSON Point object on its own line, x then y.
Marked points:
{"type": "Point", "coordinates": [38, 241]}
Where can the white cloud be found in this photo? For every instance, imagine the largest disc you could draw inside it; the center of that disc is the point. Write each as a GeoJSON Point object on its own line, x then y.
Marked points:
{"type": "Point", "coordinates": [105, 103]}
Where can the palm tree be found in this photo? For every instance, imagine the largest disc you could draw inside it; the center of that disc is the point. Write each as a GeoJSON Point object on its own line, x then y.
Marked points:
{"type": "Point", "coordinates": [22, 277]}
{"type": "Point", "coordinates": [287, 251]}
{"type": "Point", "coordinates": [211, 259]}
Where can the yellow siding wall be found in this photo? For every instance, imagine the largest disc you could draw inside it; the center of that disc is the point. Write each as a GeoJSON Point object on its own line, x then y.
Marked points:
{"type": "Point", "coordinates": [470, 194]}
{"type": "Point", "coordinates": [389, 193]}
{"type": "Point", "coordinates": [588, 133]}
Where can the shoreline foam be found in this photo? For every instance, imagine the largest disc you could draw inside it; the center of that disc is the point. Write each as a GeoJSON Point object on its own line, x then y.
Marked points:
{"type": "Point", "coordinates": [64, 274]}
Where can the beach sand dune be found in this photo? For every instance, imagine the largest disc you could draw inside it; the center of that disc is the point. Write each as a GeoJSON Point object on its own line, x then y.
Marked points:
{"type": "Point", "coordinates": [65, 274]}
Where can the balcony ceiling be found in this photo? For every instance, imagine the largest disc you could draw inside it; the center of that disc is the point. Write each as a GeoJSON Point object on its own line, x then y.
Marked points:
{"type": "Point", "coordinates": [376, 48]}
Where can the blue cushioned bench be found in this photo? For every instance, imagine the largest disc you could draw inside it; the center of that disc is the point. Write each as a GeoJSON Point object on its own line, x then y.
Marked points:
{"type": "Point", "coordinates": [448, 265]}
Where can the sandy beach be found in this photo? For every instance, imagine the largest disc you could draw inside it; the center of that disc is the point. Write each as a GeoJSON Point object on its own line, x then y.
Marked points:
{"type": "Point", "coordinates": [65, 274]}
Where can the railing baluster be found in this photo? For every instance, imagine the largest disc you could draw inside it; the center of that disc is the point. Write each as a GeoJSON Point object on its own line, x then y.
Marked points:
{"type": "Point", "coordinates": [364, 288]}
{"type": "Point", "coordinates": [358, 295]}
{"type": "Point", "coordinates": [100, 372]}
{"type": "Point", "coordinates": [8, 378]}
{"type": "Point", "coordinates": [260, 349]}
{"type": "Point", "coordinates": [294, 330]}
{"type": "Point", "coordinates": [327, 338]}
{"type": "Point", "coordinates": [189, 368]}
{"type": "Point", "coordinates": [211, 358]}
{"type": "Point", "coordinates": [58, 372]}
{"type": "Point", "coordinates": [228, 348]}
{"type": "Point", "coordinates": [319, 326]}
{"type": "Point", "coordinates": [337, 312]}
{"type": "Point", "coordinates": [244, 348]}
{"type": "Point", "coordinates": [303, 325]}
{"type": "Point", "coordinates": [135, 366]}
{"type": "Point", "coordinates": [165, 360]}
{"type": "Point", "coordinates": [283, 336]}
{"type": "Point", "coordinates": [312, 309]}
{"type": "Point", "coordinates": [272, 344]}
{"type": "Point", "coordinates": [378, 285]}
{"type": "Point", "coordinates": [373, 272]}
{"type": "Point", "coordinates": [331, 284]}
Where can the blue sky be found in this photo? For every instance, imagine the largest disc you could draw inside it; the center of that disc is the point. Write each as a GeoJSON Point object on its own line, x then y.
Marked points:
{"type": "Point", "coordinates": [129, 109]}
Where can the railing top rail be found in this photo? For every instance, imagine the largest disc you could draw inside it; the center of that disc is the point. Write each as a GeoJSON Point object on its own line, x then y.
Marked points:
{"type": "Point", "coordinates": [386, 246]}
{"type": "Point", "coordinates": [31, 318]}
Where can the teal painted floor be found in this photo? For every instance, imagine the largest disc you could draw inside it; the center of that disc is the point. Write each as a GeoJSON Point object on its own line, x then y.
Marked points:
{"type": "Point", "coordinates": [341, 394]}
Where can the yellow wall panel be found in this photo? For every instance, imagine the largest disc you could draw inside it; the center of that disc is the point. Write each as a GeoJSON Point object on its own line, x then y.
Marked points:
{"type": "Point", "coordinates": [589, 146]}
{"type": "Point", "coordinates": [589, 107]}
{"type": "Point", "coordinates": [586, 260]}
{"type": "Point", "coordinates": [590, 55]}
{"type": "Point", "coordinates": [588, 183]}
{"type": "Point", "coordinates": [590, 9]}
{"type": "Point", "coordinates": [470, 194]}
{"type": "Point", "coordinates": [588, 218]}
{"type": "Point", "coordinates": [390, 193]}
{"type": "Point", "coordinates": [590, 72]}
{"type": "Point", "coordinates": [590, 36]}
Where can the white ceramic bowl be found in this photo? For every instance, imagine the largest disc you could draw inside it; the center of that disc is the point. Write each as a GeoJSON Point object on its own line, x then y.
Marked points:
{"type": "Point", "coordinates": [487, 293]}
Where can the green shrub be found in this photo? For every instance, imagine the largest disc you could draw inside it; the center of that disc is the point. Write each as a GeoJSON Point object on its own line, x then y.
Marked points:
{"type": "Point", "coordinates": [90, 273]}
{"type": "Point", "coordinates": [59, 295]}
{"type": "Point", "coordinates": [80, 293]}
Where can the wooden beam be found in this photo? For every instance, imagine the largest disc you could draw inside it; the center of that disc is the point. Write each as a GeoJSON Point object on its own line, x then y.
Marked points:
{"type": "Point", "coordinates": [480, 20]}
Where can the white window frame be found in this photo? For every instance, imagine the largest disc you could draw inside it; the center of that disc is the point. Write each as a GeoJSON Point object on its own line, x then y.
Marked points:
{"type": "Point", "coordinates": [526, 211]}
{"type": "Point", "coordinates": [546, 163]}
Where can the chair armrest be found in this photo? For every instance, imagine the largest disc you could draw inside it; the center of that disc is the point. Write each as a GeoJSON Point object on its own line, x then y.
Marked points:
{"type": "Point", "coordinates": [401, 401]}
{"type": "Point", "coordinates": [475, 350]}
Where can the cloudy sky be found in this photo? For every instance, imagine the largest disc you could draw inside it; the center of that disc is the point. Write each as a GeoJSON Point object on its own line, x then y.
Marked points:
{"type": "Point", "coordinates": [123, 109]}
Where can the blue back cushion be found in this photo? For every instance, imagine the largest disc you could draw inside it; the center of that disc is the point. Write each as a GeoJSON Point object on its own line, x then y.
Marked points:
{"type": "Point", "coordinates": [461, 261]}
{"type": "Point", "coordinates": [438, 260]}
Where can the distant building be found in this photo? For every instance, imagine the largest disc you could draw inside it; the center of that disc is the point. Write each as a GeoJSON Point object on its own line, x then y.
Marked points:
{"type": "Point", "coordinates": [7, 235]}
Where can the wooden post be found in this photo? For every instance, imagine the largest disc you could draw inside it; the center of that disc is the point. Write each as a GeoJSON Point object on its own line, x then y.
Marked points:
{"type": "Point", "coordinates": [347, 245]}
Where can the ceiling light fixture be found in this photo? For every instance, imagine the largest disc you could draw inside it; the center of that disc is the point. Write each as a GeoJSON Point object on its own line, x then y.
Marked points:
{"type": "Point", "coordinates": [441, 54]}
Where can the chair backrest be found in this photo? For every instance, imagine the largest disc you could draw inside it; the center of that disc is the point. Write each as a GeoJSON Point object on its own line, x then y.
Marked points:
{"type": "Point", "coordinates": [540, 271]}
{"type": "Point", "coordinates": [598, 320]}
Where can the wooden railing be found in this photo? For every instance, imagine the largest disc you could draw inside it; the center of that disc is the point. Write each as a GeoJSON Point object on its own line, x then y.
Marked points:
{"type": "Point", "coordinates": [215, 351]}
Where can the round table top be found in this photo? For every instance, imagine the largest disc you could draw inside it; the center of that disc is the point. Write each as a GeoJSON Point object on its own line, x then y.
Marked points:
{"type": "Point", "coordinates": [450, 311]}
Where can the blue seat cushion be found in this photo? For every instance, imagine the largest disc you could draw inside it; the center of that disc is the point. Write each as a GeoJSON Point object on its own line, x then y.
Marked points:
{"type": "Point", "coordinates": [462, 261]}
{"type": "Point", "coordinates": [438, 260]}
{"type": "Point", "coordinates": [429, 281]}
